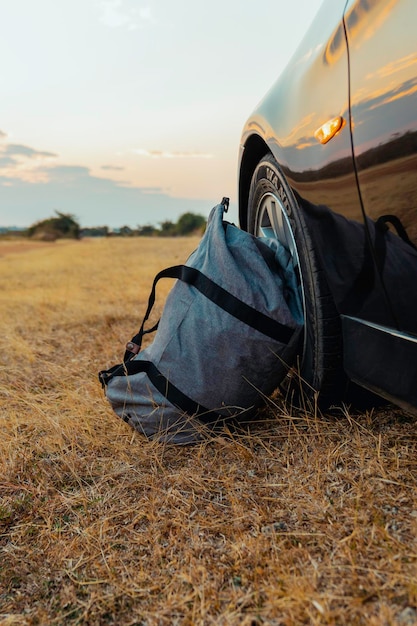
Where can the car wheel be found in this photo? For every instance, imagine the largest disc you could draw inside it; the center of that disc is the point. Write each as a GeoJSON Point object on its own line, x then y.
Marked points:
{"type": "Point", "coordinates": [274, 212]}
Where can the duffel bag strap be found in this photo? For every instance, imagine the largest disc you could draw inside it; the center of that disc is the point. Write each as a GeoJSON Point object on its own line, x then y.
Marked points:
{"type": "Point", "coordinates": [166, 388]}
{"type": "Point", "coordinates": [222, 298]}
{"type": "Point", "coordinates": [382, 222]}
{"type": "Point", "coordinates": [135, 344]}
{"type": "Point", "coordinates": [236, 307]}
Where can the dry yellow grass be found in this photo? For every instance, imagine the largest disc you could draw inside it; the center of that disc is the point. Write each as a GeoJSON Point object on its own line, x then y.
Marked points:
{"type": "Point", "coordinates": [297, 519]}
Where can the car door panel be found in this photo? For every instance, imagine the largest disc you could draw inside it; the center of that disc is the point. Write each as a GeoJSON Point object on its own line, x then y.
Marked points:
{"type": "Point", "coordinates": [312, 90]}
{"type": "Point", "coordinates": [383, 87]}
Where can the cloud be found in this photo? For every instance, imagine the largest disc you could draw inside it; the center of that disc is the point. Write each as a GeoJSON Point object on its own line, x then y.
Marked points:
{"type": "Point", "coordinates": [15, 149]}
{"type": "Point", "coordinates": [154, 189]}
{"type": "Point", "coordinates": [20, 162]}
{"type": "Point", "coordinates": [116, 14]}
{"type": "Point", "coordinates": [7, 161]}
{"type": "Point", "coordinates": [159, 154]}
{"type": "Point", "coordinates": [3, 135]}
{"type": "Point", "coordinates": [93, 200]}
{"type": "Point", "coordinates": [145, 14]}
{"type": "Point", "coordinates": [115, 168]}
{"type": "Point", "coordinates": [32, 188]}
{"type": "Point", "coordinates": [66, 173]}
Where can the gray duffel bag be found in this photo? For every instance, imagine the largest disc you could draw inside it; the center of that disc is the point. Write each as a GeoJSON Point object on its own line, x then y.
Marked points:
{"type": "Point", "coordinates": [229, 331]}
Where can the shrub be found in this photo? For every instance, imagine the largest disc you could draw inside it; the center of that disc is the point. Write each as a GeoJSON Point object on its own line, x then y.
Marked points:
{"type": "Point", "coordinates": [62, 226]}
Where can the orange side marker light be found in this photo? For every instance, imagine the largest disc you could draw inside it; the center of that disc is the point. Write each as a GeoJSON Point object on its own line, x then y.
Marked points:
{"type": "Point", "coordinates": [329, 129]}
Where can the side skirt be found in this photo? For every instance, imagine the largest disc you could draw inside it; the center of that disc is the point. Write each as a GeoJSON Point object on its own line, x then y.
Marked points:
{"type": "Point", "coordinates": [382, 360]}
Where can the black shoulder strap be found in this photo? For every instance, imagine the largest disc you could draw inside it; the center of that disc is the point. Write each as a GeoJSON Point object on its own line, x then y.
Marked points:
{"type": "Point", "coordinates": [166, 388]}
{"type": "Point", "coordinates": [135, 344]}
{"type": "Point", "coordinates": [382, 222]}
{"type": "Point", "coordinates": [236, 307]}
{"type": "Point", "coordinates": [222, 298]}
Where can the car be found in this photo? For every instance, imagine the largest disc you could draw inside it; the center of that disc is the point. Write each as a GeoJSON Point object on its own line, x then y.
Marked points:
{"type": "Point", "coordinates": [328, 166]}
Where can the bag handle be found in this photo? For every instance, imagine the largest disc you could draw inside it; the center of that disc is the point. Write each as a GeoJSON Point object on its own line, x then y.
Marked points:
{"type": "Point", "coordinates": [222, 298]}
{"type": "Point", "coordinates": [135, 344]}
{"type": "Point", "coordinates": [382, 222]}
{"type": "Point", "coordinates": [133, 347]}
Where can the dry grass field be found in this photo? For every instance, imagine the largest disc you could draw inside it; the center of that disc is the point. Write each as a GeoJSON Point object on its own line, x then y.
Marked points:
{"type": "Point", "coordinates": [298, 519]}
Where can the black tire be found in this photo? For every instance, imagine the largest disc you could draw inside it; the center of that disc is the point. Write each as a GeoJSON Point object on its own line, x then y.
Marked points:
{"type": "Point", "coordinates": [274, 212]}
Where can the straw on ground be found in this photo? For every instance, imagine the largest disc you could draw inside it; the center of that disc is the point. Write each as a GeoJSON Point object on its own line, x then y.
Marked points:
{"type": "Point", "coordinates": [296, 519]}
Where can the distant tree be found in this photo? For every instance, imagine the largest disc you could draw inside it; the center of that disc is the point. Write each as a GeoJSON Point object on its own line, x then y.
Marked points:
{"type": "Point", "coordinates": [147, 231]}
{"type": "Point", "coordinates": [126, 231]}
{"type": "Point", "coordinates": [190, 223]}
{"type": "Point", "coordinates": [95, 231]}
{"type": "Point", "coordinates": [62, 226]}
{"type": "Point", "coordinates": [168, 229]}
{"type": "Point", "coordinates": [187, 224]}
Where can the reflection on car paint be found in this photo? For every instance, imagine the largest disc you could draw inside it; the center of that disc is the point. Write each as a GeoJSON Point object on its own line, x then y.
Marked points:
{"type": "Point", "coordinates": [357, 62]}
{"type": "Point", "coordinates": [383, 72]}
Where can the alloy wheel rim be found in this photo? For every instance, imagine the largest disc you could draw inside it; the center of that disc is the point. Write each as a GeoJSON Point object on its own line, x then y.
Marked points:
{"type": "Point", "coordinates": [272, 222]}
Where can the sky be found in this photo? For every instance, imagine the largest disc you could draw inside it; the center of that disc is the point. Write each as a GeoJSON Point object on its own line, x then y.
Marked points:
{"type": "Point", "coordinates": [129, 112]}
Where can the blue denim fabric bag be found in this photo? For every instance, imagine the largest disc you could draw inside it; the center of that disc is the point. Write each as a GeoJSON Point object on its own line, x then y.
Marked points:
{"type": "Point", "coordinates": [229, 331]}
